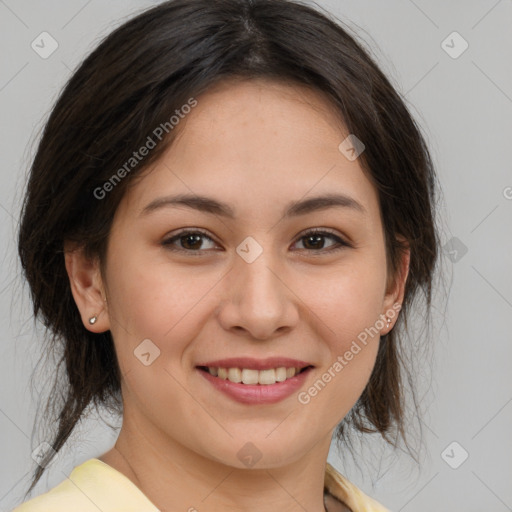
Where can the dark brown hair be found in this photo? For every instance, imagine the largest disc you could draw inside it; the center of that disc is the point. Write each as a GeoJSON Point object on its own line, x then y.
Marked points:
{"type": "Point", "coordinates": [134, 81]}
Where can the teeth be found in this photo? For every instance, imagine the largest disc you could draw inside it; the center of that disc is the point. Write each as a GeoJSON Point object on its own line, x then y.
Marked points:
{"type": "Point", "coordinates": [253, 377]}
{"type": "Point", "coordinates": [267, 377]}
{"type": "Point", "coordinates": [281, 374]}
{"type": "Point", "coordinates": [250, 376]}
{"type": "Point", "coordinates": [235, 375]}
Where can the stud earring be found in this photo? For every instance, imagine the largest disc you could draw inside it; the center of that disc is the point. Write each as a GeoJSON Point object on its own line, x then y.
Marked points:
{"type": "Point", "coordinates": [388, 321]}
{"type": "Point", "coordinates": [93, 319]}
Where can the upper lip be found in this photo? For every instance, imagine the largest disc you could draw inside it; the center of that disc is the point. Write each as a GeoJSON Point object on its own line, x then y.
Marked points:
{"type": "Point", "coordinates": [256, 364]}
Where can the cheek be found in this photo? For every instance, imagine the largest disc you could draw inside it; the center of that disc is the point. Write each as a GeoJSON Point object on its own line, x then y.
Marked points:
{"type": "Point", "coordinates": [151, 326]}
{"type": "Point", "coordinates": [347, 304]}
{"type": "Point", "coordinates": [348, 312]}
{"type": "Point", "coordinates": [348, 299]}
{"type": "Point", "coordinates": [152, 297]}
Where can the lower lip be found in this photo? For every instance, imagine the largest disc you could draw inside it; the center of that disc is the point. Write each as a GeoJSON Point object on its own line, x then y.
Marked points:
{"type": "Point", "coordinates": [257, 394]}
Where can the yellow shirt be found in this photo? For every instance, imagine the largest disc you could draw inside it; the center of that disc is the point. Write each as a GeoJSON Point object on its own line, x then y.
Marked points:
{"type": "Point", "coordinates": [95, 486]}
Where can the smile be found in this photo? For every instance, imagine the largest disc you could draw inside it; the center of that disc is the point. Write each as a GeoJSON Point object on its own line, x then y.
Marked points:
{"type": "Point", "coordinates": [249, 386]}
{"type": "Point", "coordinates": [250, 376]}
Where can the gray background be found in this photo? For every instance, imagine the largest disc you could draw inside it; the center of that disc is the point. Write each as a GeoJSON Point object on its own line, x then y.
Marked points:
{"type": "Point", "coordinates": [464, 106]}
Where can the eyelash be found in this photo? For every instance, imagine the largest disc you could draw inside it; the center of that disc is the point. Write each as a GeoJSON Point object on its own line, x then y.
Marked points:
{"type": "Point", "coordinates": [342, 244]}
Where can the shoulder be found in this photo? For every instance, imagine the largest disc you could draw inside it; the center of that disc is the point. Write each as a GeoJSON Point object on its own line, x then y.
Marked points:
{"type": "Point", "coordinates": [62, 497]}
{"type": "Point", "coordinates": [340, 487]}
{"type": "Point", "coordinates": [90, 487]}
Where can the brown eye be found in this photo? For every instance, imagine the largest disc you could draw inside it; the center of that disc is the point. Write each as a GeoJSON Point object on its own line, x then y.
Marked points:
{"type": "Point", "coordinates": [315, 241]}
{"type": "Point", "coordinates": [191, 241]}
{"type": "Point", "coordinates": [187, 241]}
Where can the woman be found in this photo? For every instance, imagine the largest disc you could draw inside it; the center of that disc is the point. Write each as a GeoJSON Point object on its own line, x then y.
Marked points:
{"type": "Point", "coordinates": [228, 217]}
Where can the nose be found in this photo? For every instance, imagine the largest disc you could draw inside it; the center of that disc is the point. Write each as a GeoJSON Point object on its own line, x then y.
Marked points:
{"type": "Point", "coordinates": [257, 300]}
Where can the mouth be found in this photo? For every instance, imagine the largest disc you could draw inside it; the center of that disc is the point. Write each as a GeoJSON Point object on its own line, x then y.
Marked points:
{"type": "Point", "coordinates": [253, 381]}
{"type": "Point", "coordinates": [255, 377]}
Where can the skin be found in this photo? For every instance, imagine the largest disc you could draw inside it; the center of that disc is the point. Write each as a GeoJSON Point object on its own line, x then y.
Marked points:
{"type": "Point", "coordinates": [257, 146]}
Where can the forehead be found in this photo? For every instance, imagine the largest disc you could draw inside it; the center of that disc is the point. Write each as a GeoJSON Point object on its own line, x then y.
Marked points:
{"type": "Point", "coordinates": [257, 143]}
{"type": "Point", "coordinates": [243, 114]}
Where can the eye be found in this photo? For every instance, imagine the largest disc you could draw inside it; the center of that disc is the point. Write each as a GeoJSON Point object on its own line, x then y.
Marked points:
{"type": "Point", "coordinates": [315, 241]}
{"type": "Point", "coordinates": [190, 241]}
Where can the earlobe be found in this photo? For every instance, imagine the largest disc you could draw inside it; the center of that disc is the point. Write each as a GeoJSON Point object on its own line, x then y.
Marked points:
{"type": "Point", "coordinates": [87, 288]}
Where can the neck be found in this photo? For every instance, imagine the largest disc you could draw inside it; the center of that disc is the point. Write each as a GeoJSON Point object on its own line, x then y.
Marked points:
{"type": "Point", "coordinates": [174, 477]}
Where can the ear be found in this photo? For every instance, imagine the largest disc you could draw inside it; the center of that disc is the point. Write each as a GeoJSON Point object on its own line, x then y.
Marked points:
{"type": "Point", "coordinates": [394, 296]}
{"type": "Point", "coordinates": [87, 288]}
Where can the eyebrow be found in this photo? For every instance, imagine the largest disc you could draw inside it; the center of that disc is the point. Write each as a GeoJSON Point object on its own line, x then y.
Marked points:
{"type": "Point", "coordinates": [293, 209]}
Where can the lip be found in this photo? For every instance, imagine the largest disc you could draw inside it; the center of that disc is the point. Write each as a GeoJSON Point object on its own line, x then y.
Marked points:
{"type": "Point", "coordinates": [258, 393]}
{"type": "Point", "coordinates": [256, 364]}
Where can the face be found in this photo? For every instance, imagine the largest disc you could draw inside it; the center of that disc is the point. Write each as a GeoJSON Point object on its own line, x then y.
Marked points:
{"type": "Point", "coordinates": [258, 271]}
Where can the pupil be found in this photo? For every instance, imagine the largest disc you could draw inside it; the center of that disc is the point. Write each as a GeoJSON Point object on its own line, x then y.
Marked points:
{"type": "Point", "coordinates": [317, 239]}
{"type": "Point", "coordinates": [193, 239]}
